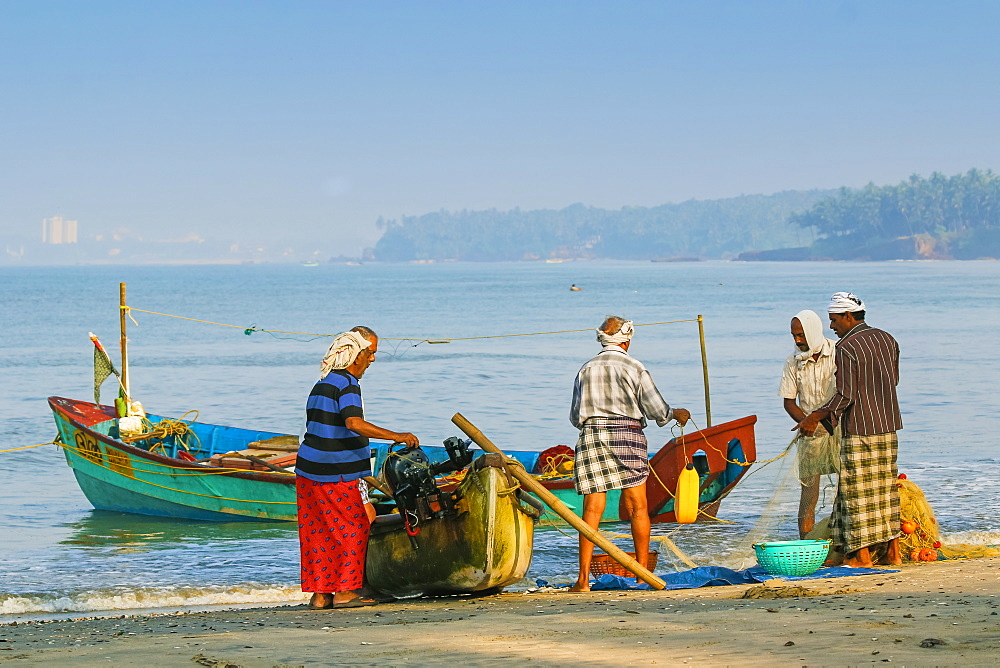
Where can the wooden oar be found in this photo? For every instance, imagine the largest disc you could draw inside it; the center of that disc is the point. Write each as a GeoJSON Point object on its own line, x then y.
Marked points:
{"type": "Point", "coordinates": [529, 483]}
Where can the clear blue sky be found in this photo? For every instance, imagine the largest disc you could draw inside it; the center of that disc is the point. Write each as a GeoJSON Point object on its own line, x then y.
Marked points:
{"type": "Point", "coordinates": [311, 119]}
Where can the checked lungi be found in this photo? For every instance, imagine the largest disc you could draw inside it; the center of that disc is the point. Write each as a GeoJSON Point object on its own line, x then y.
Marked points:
{"type": "Point", "coordinates": [610, 454]}
{"type": "Point", "coordinates": [333, 535]}
{"type": "Point", "coordinates": [866, 510]}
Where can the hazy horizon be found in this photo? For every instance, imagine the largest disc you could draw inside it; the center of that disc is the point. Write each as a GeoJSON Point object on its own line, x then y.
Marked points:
{"type": "Point", "coordinates": [310, 120]}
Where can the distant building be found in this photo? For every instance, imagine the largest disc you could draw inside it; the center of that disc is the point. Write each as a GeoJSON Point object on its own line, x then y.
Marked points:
{"type": "Point", "coordinates": [57, 230]}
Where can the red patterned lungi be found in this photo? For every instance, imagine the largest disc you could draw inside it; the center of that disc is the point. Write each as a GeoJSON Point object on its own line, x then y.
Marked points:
{"type": "Point", "coordinates": [333, 535]}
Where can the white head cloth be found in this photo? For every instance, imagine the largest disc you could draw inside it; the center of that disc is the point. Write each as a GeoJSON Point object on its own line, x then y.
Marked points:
{"type": "Point", "coordinates": [845, 302]}
{"type": "Point", "coordinates": [342, 352]}
{"type": "Point", "coordinates": [812, 327]}
{"type": "Point", "coordinates": [621, 336]}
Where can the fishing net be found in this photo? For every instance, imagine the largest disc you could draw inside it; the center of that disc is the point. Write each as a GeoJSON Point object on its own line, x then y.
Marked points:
{"type": "Point", "coordinates": [780, 510]}
{"type": "Point", "coordinates": [915, 509]}
{"type": "Point", "coordinates": [921, 538]}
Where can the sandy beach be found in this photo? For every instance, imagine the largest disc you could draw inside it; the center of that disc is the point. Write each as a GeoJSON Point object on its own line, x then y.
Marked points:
{"type": "Point", "coordinates": [944, 613]}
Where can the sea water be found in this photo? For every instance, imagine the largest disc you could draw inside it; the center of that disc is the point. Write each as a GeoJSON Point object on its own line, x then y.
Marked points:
{"type": "Point", "coordinates": [57, 554]}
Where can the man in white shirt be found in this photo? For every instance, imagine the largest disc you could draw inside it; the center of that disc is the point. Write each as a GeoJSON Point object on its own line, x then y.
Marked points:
{"type": "Point", "coordinates": [613, 396]}
{"type": "Point", "coordinates": [807, 382]}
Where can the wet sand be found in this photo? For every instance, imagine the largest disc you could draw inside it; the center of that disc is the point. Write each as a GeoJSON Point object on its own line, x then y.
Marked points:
{"type": "Point", "coordinates": [944, 613]}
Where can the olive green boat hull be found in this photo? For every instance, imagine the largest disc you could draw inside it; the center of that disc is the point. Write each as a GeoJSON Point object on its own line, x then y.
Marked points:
{"type": "Point", "coordinates": [487, 546]}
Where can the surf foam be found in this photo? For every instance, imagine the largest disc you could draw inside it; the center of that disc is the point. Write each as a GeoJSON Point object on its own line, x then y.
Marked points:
{"type": "Point", "coordinates": [107, 600]}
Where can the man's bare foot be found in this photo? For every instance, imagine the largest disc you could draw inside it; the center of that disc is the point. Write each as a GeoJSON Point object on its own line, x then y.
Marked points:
{"type": "Point", "coordinates": [580, 587]}
{"type": "Point", "coordinates": [893, 555]}
{"type": "Point", "coordinates": [342, 597]}
{"type": "Point", "coordinates": [320, 601]}
{"type": "Point", "coordinates": [859, 559]}
{"type": "Point", "coordinates": [859, 562]}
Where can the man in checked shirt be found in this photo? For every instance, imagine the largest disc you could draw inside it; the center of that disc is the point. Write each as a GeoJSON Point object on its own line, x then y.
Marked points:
{"type": "Point", "coordinates": [612, 398]}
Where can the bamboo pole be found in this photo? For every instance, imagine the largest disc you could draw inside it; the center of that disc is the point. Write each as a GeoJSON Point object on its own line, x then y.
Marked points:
{"type": "Point", "coordinates": [704, 369]}
{"type": "Point", "coordinates": [123, 314]}
{"type": "Point", "coordinates": [536, 488]}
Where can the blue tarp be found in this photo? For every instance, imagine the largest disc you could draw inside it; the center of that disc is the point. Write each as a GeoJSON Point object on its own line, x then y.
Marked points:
{"type": "Point", "coordinates": [714, 576]}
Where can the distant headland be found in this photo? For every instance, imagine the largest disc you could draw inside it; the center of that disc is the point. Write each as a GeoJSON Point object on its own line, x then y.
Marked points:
{"type": "Point", "coordinates": [939, 217]}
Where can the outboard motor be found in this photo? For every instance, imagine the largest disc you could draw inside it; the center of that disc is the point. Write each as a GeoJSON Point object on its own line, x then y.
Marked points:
{"type": "Point", "coordinates": [410, 475]}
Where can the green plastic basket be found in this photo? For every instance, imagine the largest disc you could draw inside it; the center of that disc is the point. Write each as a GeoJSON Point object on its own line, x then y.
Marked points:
{"type": "Point", "coordinates": [792, 557]}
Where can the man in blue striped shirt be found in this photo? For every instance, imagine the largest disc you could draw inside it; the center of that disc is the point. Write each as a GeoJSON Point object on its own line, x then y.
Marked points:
{"type": "Point", "coordinates": [332, 460]}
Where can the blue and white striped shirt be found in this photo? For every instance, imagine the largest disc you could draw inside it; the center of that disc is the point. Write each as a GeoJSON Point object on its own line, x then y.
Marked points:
{"type": "Point", "coordinates": [330, 452]}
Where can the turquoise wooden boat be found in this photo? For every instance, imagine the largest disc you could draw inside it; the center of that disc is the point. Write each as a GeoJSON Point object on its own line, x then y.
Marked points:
{"type": "Point", "coordinates": [156, 475]}
{"type": "Point", "coordinates": [149, 477]}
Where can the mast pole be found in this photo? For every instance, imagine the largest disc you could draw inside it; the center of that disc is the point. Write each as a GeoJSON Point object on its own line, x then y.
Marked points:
{"type": "Point", "coordinates": [704, 368]}
{"type": "Point", "coordinates": [122, 314]}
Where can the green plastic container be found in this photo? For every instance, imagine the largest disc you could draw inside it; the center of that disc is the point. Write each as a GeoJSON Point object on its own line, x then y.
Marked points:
{"type": "Point", "coordinates": [792, 557]}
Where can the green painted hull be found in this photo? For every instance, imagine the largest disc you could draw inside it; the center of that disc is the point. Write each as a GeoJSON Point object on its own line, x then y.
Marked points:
{"type": "Point", "coordinates": [116, 476]}
{"type": "Point", "coordinates": [486, 546]}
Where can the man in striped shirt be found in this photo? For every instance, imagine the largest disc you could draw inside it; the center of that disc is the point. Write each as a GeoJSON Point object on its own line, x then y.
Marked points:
{"type": "Point", "coordinates": [866, 511]}
{"type": "Point", "coordinates": [612, 398]}
{"type": "Point", "coordinates": [332, 460]}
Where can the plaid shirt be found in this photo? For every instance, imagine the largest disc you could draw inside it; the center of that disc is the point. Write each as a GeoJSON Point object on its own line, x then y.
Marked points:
{"type": "Point", "coordinates": [614, 384]}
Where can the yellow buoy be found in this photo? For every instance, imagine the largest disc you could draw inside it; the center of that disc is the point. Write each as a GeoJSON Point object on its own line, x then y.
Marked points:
{"type": "Point", "coordinates": [686, 498]}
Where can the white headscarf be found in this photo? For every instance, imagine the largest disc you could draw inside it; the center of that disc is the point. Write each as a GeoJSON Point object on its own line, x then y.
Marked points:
{"type": "Point", "coordinates": [621, 336]}
{"type": "Point", "coordinates": [812, 327]}
{"type": "Point", "coordinates": [845, 302]}
{"type": "Point", "coordinates": [342, 352]}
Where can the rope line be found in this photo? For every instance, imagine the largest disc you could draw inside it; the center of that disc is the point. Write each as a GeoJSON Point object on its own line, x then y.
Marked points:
{"type": "Point", "coordinates": [25, 447]}
{"type": "Point", "coordinates": [252, 329]}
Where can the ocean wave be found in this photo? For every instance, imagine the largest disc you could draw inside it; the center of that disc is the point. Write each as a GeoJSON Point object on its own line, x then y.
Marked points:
{"type": "Point", "coordinates": [148, 597]}
{"type": "Point", "coordinates": [972, 538]}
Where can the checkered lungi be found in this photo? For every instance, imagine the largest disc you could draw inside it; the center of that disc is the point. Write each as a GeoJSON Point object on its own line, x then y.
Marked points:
{"type": "Point", "coordinates": [610, 454]}
{"type": "Point", "coordinates": [866, 510]}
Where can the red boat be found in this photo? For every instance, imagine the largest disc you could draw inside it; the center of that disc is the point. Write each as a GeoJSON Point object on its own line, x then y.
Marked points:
{"type": "Point", "coordinates": [721, 455]}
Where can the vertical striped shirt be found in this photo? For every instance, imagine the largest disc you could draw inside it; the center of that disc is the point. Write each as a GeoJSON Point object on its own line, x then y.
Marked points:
{"type": "Point", "coordinates": [615, 384]}
{"type": "Point", "coordinates": [867, 374]}
{"type": "Point", "coordinates": [330, 452]}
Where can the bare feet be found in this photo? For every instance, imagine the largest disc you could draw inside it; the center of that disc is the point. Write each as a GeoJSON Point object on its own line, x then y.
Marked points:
{"type": "Point", "coordinates": [580, 586]}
